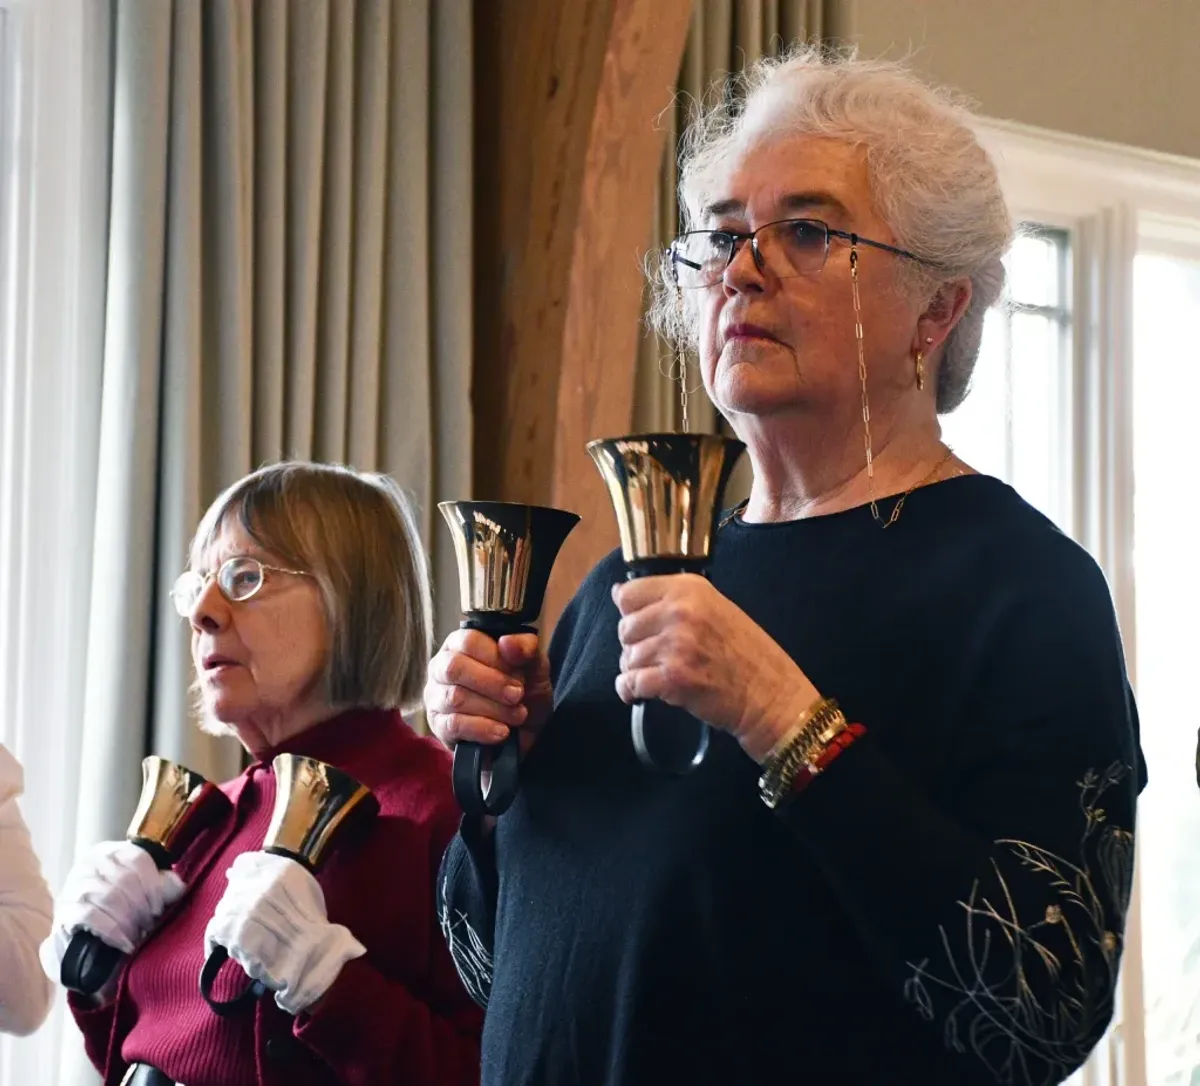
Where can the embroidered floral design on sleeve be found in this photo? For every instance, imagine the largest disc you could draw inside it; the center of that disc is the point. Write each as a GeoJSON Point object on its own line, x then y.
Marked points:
{"type": "Point", "coordinates": [1030, 995]}
{"type": "Point", "coordinates": [471, 957]}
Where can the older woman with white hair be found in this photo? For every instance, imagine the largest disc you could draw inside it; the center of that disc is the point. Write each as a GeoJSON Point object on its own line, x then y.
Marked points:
{"type": "Point", "coordinates": [309, 606]}
{"type": "Point", "coordinates": [907, 855]}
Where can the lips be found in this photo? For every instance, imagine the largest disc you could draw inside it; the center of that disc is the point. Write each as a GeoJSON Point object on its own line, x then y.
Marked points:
{"type": "Point", "coordinates": [215, 660]}
{"type": "Point", "coordinates": [745, 330]}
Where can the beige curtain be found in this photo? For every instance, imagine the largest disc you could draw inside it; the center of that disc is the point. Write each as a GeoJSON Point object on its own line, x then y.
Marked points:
{"type": "Point", "coordinates": [289, 274]}
{"type": "Point", "coordinates": [725, 37]}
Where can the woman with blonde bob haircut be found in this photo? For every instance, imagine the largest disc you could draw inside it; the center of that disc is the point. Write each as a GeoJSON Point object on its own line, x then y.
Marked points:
{"type": "Point", "coordinates": [907, 854]}
{"type": "Point", "coordinates": [309, 604]}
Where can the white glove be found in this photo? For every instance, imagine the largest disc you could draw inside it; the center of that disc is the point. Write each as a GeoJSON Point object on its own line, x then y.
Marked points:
{"type": "Point", "coordinates": [117, 893]}
{"type": "Point", "coordinates": [273, 923]}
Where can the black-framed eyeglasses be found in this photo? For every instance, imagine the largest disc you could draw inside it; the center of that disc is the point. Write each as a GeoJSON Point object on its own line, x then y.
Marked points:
{"type": "Point", "coordinates": [786, 248]}
{"type": "Point", "coordinates": [238, 578]}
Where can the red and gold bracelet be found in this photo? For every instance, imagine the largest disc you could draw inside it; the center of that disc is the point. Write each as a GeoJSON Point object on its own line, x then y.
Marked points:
{"type": "Point", "coordinates": [808, 773]}
{"type": "Point", "coordinates": [818, 737]}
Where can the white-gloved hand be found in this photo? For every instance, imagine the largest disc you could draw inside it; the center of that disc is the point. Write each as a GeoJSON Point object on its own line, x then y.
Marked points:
{"type": "Point", "coordinates": [117, 893]}
{"type": "Point", "coordinates": [272, 921]}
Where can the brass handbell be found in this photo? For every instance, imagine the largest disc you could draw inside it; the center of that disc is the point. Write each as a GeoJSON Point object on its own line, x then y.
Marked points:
{"type": "Point", "coordinates": [175, 805]}
{"type": "Point", "coordinates": [666, 490]}
{"type": "Point", "coordinates": [316, 807]}
{"type": "Point", "coordinates": [505, 553]}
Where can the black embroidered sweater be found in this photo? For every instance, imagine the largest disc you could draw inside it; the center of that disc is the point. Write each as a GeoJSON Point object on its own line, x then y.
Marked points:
{"type": "Point", "coordinates": [944, 905]}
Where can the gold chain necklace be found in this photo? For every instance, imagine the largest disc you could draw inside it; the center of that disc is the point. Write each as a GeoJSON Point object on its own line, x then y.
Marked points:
{"type": "Point", "coordinates": [904, 497]}
{"type": "Point", "coordinates": [740, 507]}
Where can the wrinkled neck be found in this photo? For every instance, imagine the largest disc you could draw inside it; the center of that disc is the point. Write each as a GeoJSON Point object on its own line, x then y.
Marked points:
{"type": "Point", "coordinates": [810, 466]}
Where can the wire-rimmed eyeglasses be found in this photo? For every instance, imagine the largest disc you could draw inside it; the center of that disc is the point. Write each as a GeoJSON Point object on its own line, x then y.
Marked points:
{"type": "Point", "coordinates": [787, 248]}
{"type": "Point", "coordinates": [238, 578]}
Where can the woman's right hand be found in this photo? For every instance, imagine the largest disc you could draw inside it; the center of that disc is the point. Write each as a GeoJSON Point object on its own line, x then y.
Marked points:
{"type": "Point", "coordinates": [116, 892]}
{"type": "Point", "coordinates": [480, 688]}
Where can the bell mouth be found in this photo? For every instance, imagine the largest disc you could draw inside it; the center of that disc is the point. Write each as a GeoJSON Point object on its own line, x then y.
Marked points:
{"type": "Point", "coordinates": [315, 806]}
{"type": "Point", "coordinates": [505, 552]}
{"type": "Point", "coordinates": [176, 803]}
{"type": "Point", "coordinates": [666, 490]}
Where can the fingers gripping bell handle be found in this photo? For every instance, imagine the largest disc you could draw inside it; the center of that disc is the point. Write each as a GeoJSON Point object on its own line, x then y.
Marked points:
{"type": "Point", "coordinates": [89, 961]}
{"type": "Point", "coordinates": [175, 805]}
{"type": "Point", "coordinates": [473, 760]}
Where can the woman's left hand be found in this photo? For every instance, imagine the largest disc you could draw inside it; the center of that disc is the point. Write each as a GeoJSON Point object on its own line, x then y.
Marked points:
{"type": "Point", "coordinates": [272, 921]}
{"type": "Point", "coordinates": [684, 643]}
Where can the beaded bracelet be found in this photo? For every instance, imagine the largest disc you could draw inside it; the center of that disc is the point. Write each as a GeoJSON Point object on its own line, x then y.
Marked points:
{"type": "Point", "coordinates": [809, 773]}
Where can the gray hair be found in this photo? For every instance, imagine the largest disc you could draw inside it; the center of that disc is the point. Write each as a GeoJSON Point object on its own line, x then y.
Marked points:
{"type": "Point", "coordinates": [930, 179]}
{"type": "Point", "coordinates": [357, 534]}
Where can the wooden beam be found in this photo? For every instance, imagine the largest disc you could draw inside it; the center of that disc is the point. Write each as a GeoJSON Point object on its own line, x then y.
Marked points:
{"type": "Point", "coordinates": [567, 148]}
{"type": "Point", "coordinates": [604, 305]}
{"type": "Point", "coordinates": [538, 69]}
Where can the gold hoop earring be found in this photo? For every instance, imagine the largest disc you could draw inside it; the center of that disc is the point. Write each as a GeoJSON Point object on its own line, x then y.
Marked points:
{"type": "Point", "coordinates": [920, 371]}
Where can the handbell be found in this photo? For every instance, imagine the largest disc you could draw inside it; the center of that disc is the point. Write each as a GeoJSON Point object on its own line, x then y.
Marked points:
{"type": "Point", "coordinates": [505, 553]}
{"type": "Point", "coordinates": [666, 490]}
{"type": "Point", "coordinates": [175, 805]}
{"type": "Point", "coordinates": [316, 807]}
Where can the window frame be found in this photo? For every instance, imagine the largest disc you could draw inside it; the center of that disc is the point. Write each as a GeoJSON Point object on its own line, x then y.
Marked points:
{"type": "Point", "coordinates": [1062, 318]}
{"type": "Point", "coordinates": [1113, 201]}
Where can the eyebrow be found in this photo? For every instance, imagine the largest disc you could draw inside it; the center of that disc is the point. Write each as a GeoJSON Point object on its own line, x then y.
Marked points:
{"type": "Point", "coordinates": [793, 201]}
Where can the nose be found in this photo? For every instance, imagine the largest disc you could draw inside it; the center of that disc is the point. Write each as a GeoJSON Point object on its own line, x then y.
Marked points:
{"type": "Point", "coordinates": [743, 274]}
{"type": "Point", "coordinates": [210, 612]}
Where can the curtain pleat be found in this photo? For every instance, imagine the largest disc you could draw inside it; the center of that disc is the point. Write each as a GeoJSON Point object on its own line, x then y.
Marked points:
{"type": "Point", "coordinates": [191, 391]}
{"type": "Point", "coordinates": [450, 275]}
{"type": "Point", "coordinates": [333, 306]}
{"type": "Point", "coordinates": [273, 102]}
{"type": "Point", "coordinates": [406, 397]}
{"type": "Point", "coordinates": [121, 615]}
{"type": "Point", "coordinates": [370, 162]}
{"type": "Point", "coordinates": [275, 290]}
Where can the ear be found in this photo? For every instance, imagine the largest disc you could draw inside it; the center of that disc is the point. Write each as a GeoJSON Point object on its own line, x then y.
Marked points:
{"type": "Point", "coordinates": [943, 311]}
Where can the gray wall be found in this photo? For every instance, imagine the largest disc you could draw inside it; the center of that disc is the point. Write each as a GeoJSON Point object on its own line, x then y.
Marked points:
{"type": "Point", "coordinates": [1121, 70]}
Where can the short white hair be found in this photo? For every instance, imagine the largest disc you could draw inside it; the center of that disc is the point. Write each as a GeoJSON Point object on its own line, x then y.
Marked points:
{"type": "Point", "coordinates": [931, 181]}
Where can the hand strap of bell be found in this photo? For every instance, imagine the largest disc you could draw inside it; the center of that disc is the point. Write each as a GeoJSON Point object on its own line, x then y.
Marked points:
{"type": "Point", "coordinates": [675, 746]}
{"type": "Point", "coordinates": [253, 991]}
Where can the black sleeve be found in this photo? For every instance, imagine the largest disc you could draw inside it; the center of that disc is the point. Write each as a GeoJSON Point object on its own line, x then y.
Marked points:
{"type": "Point", "coordinates": [467, 888]}
{"type": "Point", "coordinates": [999, 914]}
{"type": "Point", "coordinates": [468, 882]}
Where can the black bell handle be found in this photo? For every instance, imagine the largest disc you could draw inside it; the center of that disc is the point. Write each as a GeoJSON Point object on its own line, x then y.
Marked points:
{"type": "Point", "coordinates": [677, 745]}
{"type": "Point", "coordinates": [88, 963]}
{"type": "Point", "coordinates": [503, 760]}
{"type": "Point", "coordinates": [674, 747]}
{"type": "Point", "coordinates": [253, 991]}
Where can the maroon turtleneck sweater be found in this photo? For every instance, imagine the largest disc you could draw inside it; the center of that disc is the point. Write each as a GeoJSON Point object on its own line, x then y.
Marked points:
{"type": "Point", "coordinates": [397, 1015]}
